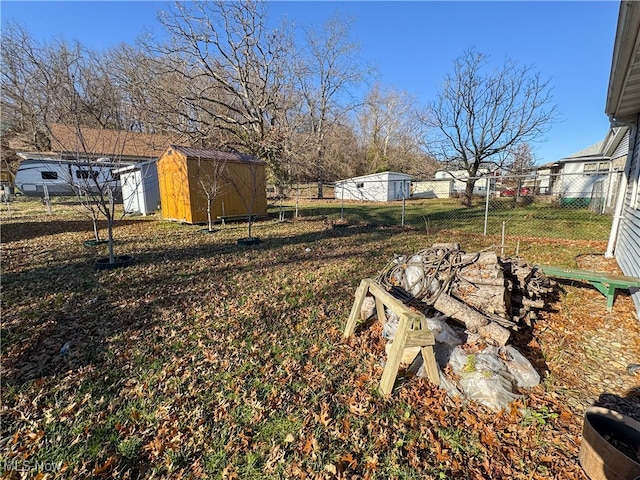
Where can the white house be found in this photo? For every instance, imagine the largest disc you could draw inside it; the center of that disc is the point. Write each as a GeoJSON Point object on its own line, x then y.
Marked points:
{"type": "Point", "coordinates": [140, 188]}
{"type": "Point", "coordinates": [623, 108]}
{"type": "Point", "coordinates": [377, 187]}
{"type": "Point", "coordinates": [588, 178]}
{"type": "Point", "coordinates": [460, 177]}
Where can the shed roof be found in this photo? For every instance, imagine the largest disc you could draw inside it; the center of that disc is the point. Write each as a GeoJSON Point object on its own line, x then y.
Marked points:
{"type": "Point", "coordinates": [108, 143]}
{"type": "Point", "coordinates": [220, 155]}
{"type": "Point", "coordinates": [372, 175]}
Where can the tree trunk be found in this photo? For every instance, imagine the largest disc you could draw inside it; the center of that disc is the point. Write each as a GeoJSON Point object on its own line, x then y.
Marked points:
{"type": "Point", "coordinates": [96, 232]}
{"type": "Point", "coordinates": [109, 216]}
{"type": "Point", "coordinates": [473, 320]}
{"type": "Point", "coordinates": [490, 299]}
{"type": "Point", "coordinates": [467, 196]}
{"type": "Point", "coordinates": [319, 169]}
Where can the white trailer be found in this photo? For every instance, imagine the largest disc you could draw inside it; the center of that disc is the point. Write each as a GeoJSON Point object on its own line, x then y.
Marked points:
{"type": "Point", "coordinates": [38, 177]}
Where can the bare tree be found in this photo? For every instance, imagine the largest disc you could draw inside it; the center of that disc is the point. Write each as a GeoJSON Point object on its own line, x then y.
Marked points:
{"type": "Point", "coordinates": [61, 82]}
{"type": "Point", "coordinates": [479, 118]}
{"type": "Point", "coordinates": [228, 71]}
{"type": "Point", "coordinates": [210, 178]}
{"type": "Point", "coordinates": [326, 73]}
{"type": "Point", "coordinates": [24, 96]}
{"type": "Point", "coordinates": [250, 185]}
{"type": "Point", "coordinates": [93, 176]}
{"type": "Point", "coordinates": [390, 131]}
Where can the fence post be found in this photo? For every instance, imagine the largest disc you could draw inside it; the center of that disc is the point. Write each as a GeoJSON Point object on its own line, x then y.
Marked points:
{"type": "Point", "coordinates": [486, 206]}
{"type": "Point", "coordinates": [47, 199]}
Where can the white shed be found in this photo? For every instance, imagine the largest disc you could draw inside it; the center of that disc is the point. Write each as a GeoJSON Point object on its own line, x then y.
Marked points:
{"type": "Point", "coordinates": [460, 177]}
{"type": "Point", "coordinates": [442, 188]}
{"type": "Point", "coordinates": [377, 187]}
{"type": "Point", "coordinates": [140, 189]}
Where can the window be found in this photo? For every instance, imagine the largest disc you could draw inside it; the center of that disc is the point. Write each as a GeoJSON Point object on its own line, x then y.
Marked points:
{"type": "Point", "coordinates": [49, 175]}
{"type": "Point", "coordinates": [596, 167]}
{"type": "Point", "coordinates": [85, 174]}
{"type": "Point", "coordinates": [360, 185]}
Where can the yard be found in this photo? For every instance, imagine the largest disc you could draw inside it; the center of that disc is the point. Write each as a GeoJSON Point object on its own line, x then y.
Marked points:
{"type": "Point", "coordinates": [205, 359]}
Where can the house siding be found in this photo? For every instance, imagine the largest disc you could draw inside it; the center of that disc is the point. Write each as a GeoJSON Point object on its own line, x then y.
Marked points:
{"type": "Point", "coordinates": [432, 189]}
{"type": "Point", "coordinates": [628, 243]}
{"type": "Point", "coordinates": [623, 147]}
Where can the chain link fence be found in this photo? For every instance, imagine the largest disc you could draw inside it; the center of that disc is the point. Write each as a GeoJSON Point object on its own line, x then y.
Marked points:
{"type": "Point", "coordinates": [575, 206]}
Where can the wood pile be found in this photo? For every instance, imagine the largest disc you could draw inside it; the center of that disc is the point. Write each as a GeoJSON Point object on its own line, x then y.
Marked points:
{"type": "Point", "coordinates": [490, 295]}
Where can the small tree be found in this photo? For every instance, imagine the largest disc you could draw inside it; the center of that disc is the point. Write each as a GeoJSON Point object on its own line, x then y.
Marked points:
{"type": "Point", "coordinates": [85, 200]}
{"type": "Point", "coordinates": [93, 178]}
{"type": "Point", "coordinates": [480, 118]}
{"type": "Point", "coordinates": [250, 187]}
{"type": "Point", "coordinates": [210, 179]}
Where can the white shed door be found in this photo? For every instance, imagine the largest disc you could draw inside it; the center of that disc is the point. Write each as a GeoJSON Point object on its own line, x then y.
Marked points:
{"type": "Point", "coordinates": [131, 189]}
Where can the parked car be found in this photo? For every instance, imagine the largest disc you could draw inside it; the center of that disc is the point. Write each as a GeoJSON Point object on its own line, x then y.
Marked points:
{"type": "Point", "coordinates": [511, 192]}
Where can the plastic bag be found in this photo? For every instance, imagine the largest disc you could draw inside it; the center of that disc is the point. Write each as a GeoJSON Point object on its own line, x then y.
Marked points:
{"type": "Point", "coordinates": [524, 375]}
{"type": "Point", "coordinates": [489, 360]}
{"type": "Point", "coordinates": [390, 326]}
{"type": "Point", "coordinates": [414, 275]}
{"type": "Point", "coordinates": [458, 360]}
{"type": "Point", "coordinates": [442, 352]}
{"type": "Point", "coordinates": [442, 332]}
{"type": "Point", "coordinates": [489, 389]}
{"type": "Point", "coordinates": [449, 386]}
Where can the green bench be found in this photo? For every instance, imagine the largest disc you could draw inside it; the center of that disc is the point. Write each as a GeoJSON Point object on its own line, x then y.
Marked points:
{"type": "Point", "coordinates": [605, 283]}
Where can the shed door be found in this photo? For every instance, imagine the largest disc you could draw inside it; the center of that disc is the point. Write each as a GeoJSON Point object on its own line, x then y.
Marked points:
{"type": "Point", "coordinates": [131, 193]}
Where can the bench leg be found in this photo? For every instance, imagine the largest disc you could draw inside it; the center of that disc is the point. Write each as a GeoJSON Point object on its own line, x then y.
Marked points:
{"type": "Point", "coordinates": [611, 296]}
{"type": "Point", "coordinates": [395, 356]}
{"type": "Point", "coordinates": [608, 290]}
{"type": "Point", "coordinates": [361, 292]}
{"type": "Point", "coordinates": [430, 365]}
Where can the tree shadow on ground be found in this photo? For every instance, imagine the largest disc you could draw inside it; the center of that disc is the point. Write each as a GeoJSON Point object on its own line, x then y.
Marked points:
{"type": "Point", "coordinates": [82, 310]}
{"type": "Point", "coordinates": [627, 404]}
{"type": "Point", "coordinates": [33, 229]}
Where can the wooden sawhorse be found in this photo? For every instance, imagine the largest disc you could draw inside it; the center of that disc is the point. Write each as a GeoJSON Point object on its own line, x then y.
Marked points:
{"type": "Point", "coordinates": [412, 331]}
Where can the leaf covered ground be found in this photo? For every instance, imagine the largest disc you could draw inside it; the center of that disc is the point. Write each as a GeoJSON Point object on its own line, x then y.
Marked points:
{"type": "Point", "coordinates": [206, 359]}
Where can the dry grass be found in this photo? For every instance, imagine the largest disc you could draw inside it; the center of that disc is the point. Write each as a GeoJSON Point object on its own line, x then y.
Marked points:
{"type": "Point", "coordinates": [206, 359]}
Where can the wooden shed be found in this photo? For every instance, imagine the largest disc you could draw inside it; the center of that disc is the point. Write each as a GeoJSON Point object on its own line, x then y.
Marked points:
{"type": "Point", "coordinates": [234, 181]}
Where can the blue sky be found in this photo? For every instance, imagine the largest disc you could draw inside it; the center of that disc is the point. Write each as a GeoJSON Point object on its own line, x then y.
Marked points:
{"type": "Point", "coordinates": [412, 44]}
